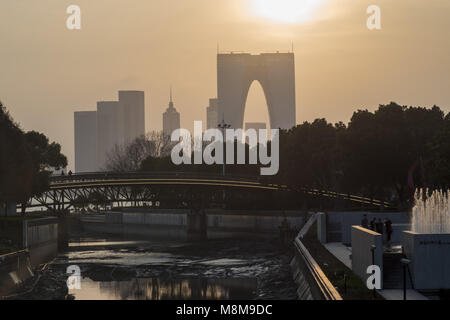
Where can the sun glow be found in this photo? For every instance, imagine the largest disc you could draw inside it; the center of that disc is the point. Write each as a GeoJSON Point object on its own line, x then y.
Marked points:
{"type": "Point", "coordinates": [286, 11]}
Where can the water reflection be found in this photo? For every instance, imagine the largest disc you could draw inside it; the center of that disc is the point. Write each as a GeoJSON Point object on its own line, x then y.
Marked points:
{"type": "Point", "coordinates": [163, 289]}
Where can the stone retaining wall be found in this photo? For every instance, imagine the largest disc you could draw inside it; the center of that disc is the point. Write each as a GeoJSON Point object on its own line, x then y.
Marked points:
{"type": "Point", "coordinates": [15, 268]}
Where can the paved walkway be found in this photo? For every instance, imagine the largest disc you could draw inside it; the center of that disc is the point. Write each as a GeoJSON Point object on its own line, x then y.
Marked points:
{"type": "Point", "coordinates": [341, 252]}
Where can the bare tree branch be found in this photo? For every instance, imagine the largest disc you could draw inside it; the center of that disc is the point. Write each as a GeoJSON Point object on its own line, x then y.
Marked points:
{"type": "Point", "coordinates": [129, 157]}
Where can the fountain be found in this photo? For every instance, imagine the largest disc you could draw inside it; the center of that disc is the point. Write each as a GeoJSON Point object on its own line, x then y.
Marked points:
{"type": "Point", "coordinates": [431, 214]}
{"type": "Point", "coordinates": [427, 245]}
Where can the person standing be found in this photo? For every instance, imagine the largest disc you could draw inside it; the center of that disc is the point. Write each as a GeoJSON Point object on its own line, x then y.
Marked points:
{"type": "Point", "coordinates": [372, 224]}
{"type": "Point", "coordinates": [365, 222]}
{"type": "Point", "coordinates": [388, 225]}
{"type": "Point", "coordinates": [379, 226]}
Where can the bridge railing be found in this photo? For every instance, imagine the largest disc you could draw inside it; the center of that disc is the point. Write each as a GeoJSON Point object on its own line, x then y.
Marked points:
{"type": "Point", "coordinates": [108, 175]}
{"type": "Point", "coordinates": [90, 177]}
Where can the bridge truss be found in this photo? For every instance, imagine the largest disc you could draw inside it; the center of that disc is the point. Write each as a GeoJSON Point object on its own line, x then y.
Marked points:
{"type": "Point", "coordinates": [150, 189]}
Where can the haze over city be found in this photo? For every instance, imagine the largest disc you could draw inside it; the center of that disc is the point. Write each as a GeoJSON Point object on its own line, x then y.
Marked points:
{"type": "Point", "coordinates": [248, 151]}
{"type": "Point", "coordinates": [48, 72]}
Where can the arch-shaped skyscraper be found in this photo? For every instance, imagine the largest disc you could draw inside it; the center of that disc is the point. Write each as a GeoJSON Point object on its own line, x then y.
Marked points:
{"type": "Point", "coordinates": [275, 72]}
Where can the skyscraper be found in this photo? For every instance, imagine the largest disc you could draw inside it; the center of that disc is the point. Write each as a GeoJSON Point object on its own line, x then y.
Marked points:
{"type": "Point", "coordinates": [108, 134]}
{"type": "Point", "coordinates": [212, 114]}
{"type": "Point", "coordinates": [132, 104]}
{"type": "Point", "coordinates": [276, 74]}
{"type": "Point", "coordinates": [114, 123]}
{"type": "Point", "coordinates": [171, 118]}
{"type": "Point", "coordinates": [85, 124]}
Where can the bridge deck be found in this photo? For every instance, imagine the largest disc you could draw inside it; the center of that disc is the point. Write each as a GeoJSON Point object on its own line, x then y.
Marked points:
{"type": "Point", "coordinates": [65, 189]}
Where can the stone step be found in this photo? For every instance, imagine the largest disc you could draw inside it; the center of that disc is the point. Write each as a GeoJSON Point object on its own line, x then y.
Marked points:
{"type": "Point", "coordinates": [393, 272]}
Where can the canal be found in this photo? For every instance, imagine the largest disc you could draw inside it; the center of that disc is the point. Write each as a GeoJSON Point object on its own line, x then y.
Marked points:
{"type": "Point", "coordinates": [120, 269]}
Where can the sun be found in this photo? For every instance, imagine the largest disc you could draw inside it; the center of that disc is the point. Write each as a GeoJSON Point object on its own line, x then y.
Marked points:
{"type": "Point", "coordinates": [286, 11]}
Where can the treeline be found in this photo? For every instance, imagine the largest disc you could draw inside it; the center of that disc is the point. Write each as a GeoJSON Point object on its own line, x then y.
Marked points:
{"type": "Point", "coordinates": [151, 152]}
{"type": "Point", "coordinates": [25, 158]}
{"type": "Point", "coordinates": [383, 154]}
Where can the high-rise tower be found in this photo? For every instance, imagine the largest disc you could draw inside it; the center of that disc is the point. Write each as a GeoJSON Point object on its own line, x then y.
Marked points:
{"type": "Point", "coordinates": [212, 114]}
{"type": "Point", "coordinates": [85, 124]}
{"type": "Point", "coordinates": [114, 123]}
{"type": "Point", "coordinates": [132, 113]}
{"type": "Point", "coordinates": [276, 74]}
{"type": "Point", "coordinates": [171, 118]}
{"type": "Point", "coordinates": [108, 134]}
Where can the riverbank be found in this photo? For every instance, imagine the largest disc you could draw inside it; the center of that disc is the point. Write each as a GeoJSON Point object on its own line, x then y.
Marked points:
{"type": "Point", "coordinates": [28, 242]}
{"type": "Point", "coordinates": [214, 269]}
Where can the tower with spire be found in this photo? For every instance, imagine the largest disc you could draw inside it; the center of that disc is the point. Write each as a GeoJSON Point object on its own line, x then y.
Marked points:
{"type": "Point", "coordinates": [212, 114]}
{"type": "Point", "coordinates": [171, 118]}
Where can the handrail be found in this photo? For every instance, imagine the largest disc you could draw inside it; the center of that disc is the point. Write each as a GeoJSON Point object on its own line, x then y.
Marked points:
{"type": "Point", "coordinates": [3, 256]}
{"type": "Point", "coordinates": [328, 291]}
{"type": "Point", "coordinates": [148, 174]}
{"type": "Point", "coordinates": [323, 283]}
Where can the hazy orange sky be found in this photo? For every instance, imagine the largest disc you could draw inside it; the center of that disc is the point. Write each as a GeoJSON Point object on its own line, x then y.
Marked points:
{"type": "Point", "coordinates": [47, 71]}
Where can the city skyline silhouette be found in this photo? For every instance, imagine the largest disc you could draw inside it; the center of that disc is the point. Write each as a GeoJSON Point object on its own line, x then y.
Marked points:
{"type": "Point", "coordinates": [49, 71]}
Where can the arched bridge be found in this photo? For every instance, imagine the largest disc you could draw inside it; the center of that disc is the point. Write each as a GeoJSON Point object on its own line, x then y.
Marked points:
{"type": "Point", "coordinates": [103, 188]}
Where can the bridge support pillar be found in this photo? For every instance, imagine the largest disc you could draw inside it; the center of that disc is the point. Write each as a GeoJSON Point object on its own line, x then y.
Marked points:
{"type": "Point", "coordinates": [196, 225]}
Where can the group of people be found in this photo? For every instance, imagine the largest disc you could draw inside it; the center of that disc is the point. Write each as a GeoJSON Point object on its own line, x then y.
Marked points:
{"type": "Point", "coordinates": [377, 226]}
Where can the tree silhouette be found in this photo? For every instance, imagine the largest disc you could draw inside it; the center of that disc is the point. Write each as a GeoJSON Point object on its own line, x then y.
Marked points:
{"type": "Point", "coordinates": [25, 159]}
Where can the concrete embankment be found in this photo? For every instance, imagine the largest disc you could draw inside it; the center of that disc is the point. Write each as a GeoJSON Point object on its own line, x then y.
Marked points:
{"type": "Point", "coordinates": [39, 240]}
{"type": "Point", "coordinates": [15, 268]}
{"type": "Point", "coordinates": [181, 224]}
